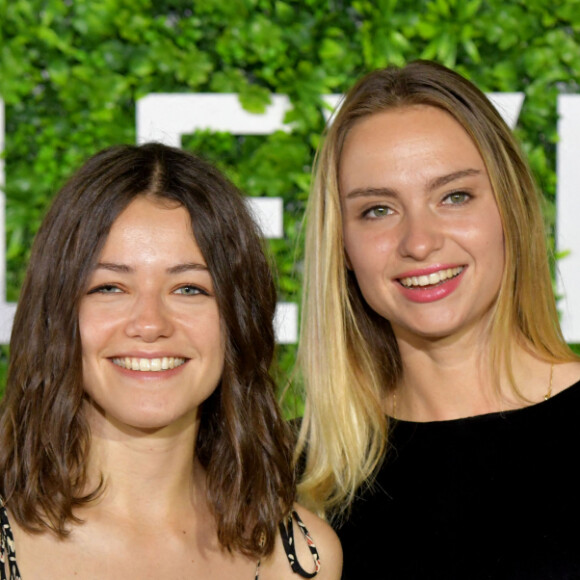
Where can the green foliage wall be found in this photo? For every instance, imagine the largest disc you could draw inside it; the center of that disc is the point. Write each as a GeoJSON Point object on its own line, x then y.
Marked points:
{"type": "Point", "coordinates": [71, 71]}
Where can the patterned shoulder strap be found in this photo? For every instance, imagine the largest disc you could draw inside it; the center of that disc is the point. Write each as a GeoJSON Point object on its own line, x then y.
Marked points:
{"type": "Point", "coordinates": [7, 552]}
{"type": "Point", "coordinates": [287, 534]}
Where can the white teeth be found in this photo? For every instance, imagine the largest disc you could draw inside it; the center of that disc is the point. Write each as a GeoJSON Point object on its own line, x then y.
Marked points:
{"type": "Point", "coordinates": [149, 364]}
{"type": "Point", "coordinates": [431, 279]}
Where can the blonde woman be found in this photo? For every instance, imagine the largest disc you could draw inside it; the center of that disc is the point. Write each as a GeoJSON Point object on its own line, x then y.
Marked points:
{"type": "Point", "coordinates": [440, 427]}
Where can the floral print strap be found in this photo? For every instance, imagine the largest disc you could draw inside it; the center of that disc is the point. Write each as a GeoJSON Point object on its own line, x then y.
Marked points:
{"type": "Point", "coordinates": [7, 552]}
{"type": "Point", "coordinates": [287, 534]}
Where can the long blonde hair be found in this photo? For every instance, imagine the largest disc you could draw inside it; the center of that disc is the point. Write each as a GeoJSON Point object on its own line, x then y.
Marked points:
{"type": "Point", "coordinates": [348, 355]}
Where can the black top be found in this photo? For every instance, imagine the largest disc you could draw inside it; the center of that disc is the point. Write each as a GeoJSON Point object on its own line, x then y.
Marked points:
{"type": "Point", "coordinates": [492, 496]}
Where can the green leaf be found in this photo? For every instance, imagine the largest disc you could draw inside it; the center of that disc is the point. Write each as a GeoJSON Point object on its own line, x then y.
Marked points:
{"type": "Point", "coordinates": [254, 98]}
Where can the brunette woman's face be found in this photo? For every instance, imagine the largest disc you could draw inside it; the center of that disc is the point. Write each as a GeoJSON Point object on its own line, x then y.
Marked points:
{"type": "Point", "coordinates": [422, 230]}
{"type": "Point", "coordinates": [152, 344]}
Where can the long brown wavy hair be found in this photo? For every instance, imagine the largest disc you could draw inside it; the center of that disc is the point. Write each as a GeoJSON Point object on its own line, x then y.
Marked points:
{"type": "Point", "coordinates": [242, 442]}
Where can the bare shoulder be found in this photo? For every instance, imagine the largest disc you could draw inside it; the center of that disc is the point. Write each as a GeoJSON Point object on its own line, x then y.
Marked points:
{"type": "Point", "coordinates": [566, 375]}
{"type": "Point", "coordinates": [326, 541]}
{"type": "Point", "coordinates": [314, 541]}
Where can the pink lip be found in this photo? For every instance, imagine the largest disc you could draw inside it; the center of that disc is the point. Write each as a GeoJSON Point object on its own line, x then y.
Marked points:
{"type": "Point", "coordinates": [427, 294]}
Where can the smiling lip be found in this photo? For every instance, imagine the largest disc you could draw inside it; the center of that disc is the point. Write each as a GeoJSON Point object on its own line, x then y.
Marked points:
{"type": "Point", "coordinates": [430, 284]}
{"type": "Point", "coordinates": [149, 364]}
{"type": "Point", "coordinates": [429, 277]}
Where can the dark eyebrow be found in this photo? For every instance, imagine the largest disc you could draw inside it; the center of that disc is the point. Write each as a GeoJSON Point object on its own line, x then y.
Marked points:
{"type": "Point", "coordinates": [178, 269]}
{"type": "Point", "coordinates": [187, 267]}
{"type": "Point", "coordinates": [432, 185]}
{"type": "Point", "coordinates": [121, 268]}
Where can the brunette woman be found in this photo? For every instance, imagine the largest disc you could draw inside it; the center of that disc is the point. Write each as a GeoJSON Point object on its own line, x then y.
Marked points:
{"type": "Point", "coordinates": [139, 433]}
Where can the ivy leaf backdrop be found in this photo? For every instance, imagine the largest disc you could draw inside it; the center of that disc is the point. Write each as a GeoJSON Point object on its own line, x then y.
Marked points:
{"type": "Point", "coordinates": [72, 70]}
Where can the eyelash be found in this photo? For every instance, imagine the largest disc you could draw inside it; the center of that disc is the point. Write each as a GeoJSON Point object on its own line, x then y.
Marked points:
{"type": "Point", "coordinates": [367, 213]}
{"type": "Point", "coordinates": [105, 289]}
{"type": "Point", "coordinates": [197, 289]}
{"type": "Point", "coordinates": [466, 198]}
{"type": "Point", "coordinates": [113, 289]}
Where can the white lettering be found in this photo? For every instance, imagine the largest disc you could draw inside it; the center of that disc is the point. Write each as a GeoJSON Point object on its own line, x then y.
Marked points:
{"type": "Point", "coordinates": [508, 106]}
{"type": "Point", "coordinates": [7, 310]}
{"type": "Point", "coordinates": [568, 213]}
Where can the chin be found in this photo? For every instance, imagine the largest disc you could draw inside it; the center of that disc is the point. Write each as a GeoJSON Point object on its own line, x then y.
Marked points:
{"type": "Point", "coordinates": [153, 420]}
{"type": "Point", "coordinates": [429, 331]}
{"type": "Point", "coordinates": [150, 420]}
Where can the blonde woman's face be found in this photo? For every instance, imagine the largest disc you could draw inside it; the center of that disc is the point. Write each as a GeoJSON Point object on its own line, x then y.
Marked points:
{"type": "Point", "coordinates": [422, 230]}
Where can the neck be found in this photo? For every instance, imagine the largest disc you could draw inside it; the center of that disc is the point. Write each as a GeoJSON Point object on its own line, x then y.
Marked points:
{"type": "Point", "coordinates": [146, 473]}
{"type": "Point", "coordinates": [452, 377]}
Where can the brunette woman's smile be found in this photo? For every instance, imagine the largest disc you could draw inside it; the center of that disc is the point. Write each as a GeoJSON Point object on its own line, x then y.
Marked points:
{"type": "Point", "coordinates": [149, 364]}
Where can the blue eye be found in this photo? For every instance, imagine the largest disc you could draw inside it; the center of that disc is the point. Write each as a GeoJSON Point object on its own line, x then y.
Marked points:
{"type": "Point", "coordinates": [456, 198]}
{"type": "Point", "coordinates": [190, 290]}
{"type": "Point", "coordinates": [105, 289]}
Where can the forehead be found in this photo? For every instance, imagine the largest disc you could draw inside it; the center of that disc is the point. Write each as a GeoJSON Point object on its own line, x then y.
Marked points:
{"type": "Point", "coordinates": [409, 142]}
{"type": "Point", "coordinates": [149, 227]}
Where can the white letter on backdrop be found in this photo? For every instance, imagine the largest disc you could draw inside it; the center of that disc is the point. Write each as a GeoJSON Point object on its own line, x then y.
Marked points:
{"type": "Point", "coordinates": [568, 208]}
{"type": "Point", "coordinates": [7, 310]}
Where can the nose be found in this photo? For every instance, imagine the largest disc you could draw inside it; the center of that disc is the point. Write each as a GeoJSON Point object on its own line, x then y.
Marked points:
{"type": "Point", "coordinates": [149, 319]}
{"type": "Point", "coordinates": [421, 235]}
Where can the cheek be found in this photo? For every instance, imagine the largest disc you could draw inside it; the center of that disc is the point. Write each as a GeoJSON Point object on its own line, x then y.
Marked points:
{"type": "Point", "coordinates": [482, 235]}
{"type": "Point", "coordinates": [484, 241]}
{"type": "Point", "coordinates": [88, 333]}
{"type": "Point", "coordinates": [498, 250]}
{"type": "Point", "coordinates": [93, 331]}
{"type": "Point", "coordinates": [368, 254]}
{"type": "Point", "coordinates": [205, 332]}
{"type": "Point", "coordinates": [97, 331]}
{"type": "Point", "coordinates": [492, 242]}
{"type": "Point", "coordinates": [370, 264]}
